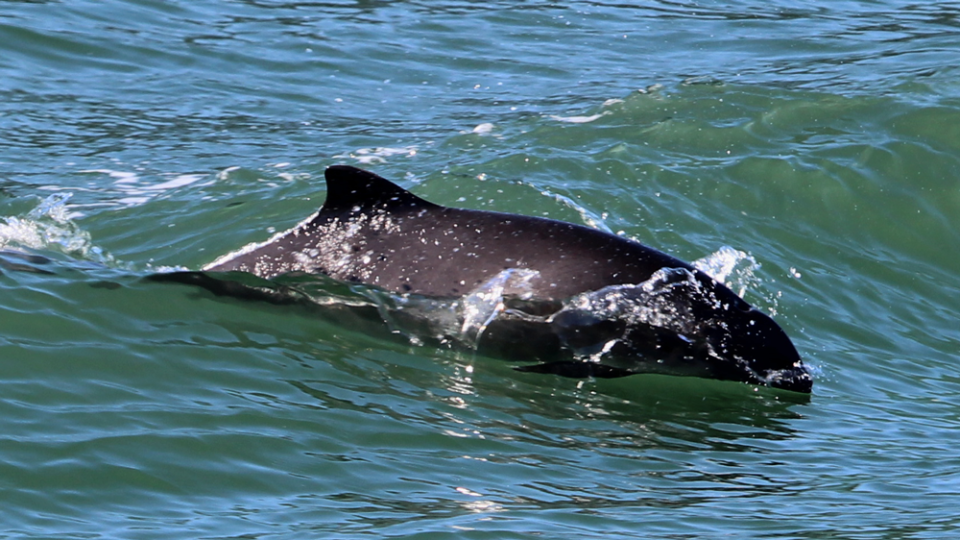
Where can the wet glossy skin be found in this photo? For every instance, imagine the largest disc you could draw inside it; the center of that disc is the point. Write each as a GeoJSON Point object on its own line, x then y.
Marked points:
{"type": "Point", "coordinates": [371, 231]}
{"type": "Point", "coordinates": [381, 235]}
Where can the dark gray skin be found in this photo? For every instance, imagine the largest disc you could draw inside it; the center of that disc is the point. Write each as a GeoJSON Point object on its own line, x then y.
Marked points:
{"type": "Point", "coordinates": [370, 230]}
{"type": "Point", "coordinates": [374, 232]}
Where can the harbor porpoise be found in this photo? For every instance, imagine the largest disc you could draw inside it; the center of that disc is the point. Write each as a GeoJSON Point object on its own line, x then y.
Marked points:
{"type": "Point", "coordinates": [580, 301]}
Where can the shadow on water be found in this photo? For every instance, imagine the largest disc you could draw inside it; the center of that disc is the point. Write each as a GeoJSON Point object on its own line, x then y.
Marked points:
{"type": "Point", "coordinates": [486, 393]}
{"type": "Point", "coordinates": [650, 409]}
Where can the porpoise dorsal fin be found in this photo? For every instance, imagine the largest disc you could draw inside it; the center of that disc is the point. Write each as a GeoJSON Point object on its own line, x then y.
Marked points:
{"type": "Point", "coordinates": [351, 189]}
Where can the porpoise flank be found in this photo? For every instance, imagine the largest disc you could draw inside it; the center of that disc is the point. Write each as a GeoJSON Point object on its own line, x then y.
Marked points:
{"type": "Point", "coordinates": [557, 280]}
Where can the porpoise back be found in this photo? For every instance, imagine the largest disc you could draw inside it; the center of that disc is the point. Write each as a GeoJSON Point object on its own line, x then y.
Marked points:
{"type": "Point", "coordinates": [372, 231]}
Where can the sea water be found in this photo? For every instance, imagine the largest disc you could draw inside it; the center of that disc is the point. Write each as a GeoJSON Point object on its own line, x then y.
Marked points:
{"type": "Point", "coordinates": [808, 152]}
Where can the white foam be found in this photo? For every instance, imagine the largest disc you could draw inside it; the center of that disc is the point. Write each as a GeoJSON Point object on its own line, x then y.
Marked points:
{"type": "Point", "coordinates": [579, 119]}
{"type": "Point", "coordinates": [483, 129]}
{"type": "Point", "coordinates": [371, 156]}
{"type": "Point", "coordinates": [176, 182]}
{"type": "Point", "coordinates": [122, 177]}
{"type": "Point", "coordinates": [134, 190]}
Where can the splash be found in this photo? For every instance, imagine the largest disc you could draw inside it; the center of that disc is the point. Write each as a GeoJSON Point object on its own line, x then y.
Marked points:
{"type": "Point", "coordinates": [458, 322]}
{"type": "Point", "coordinates": [50, 227]}
{"type": "Point", "coordinates": [739, 271]}
{"type": "Point", "coordinates": [589, 218]}
{"type": "Point", "coordinates": [652, 303]}
{"type": "Point", "coordinates": [735, 269]}
{"type": "Point", "coordinates": [479, 308]}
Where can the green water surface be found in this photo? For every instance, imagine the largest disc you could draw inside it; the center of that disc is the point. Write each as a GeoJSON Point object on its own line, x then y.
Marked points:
{"type": "Point", "coordinates": [821, 140]}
